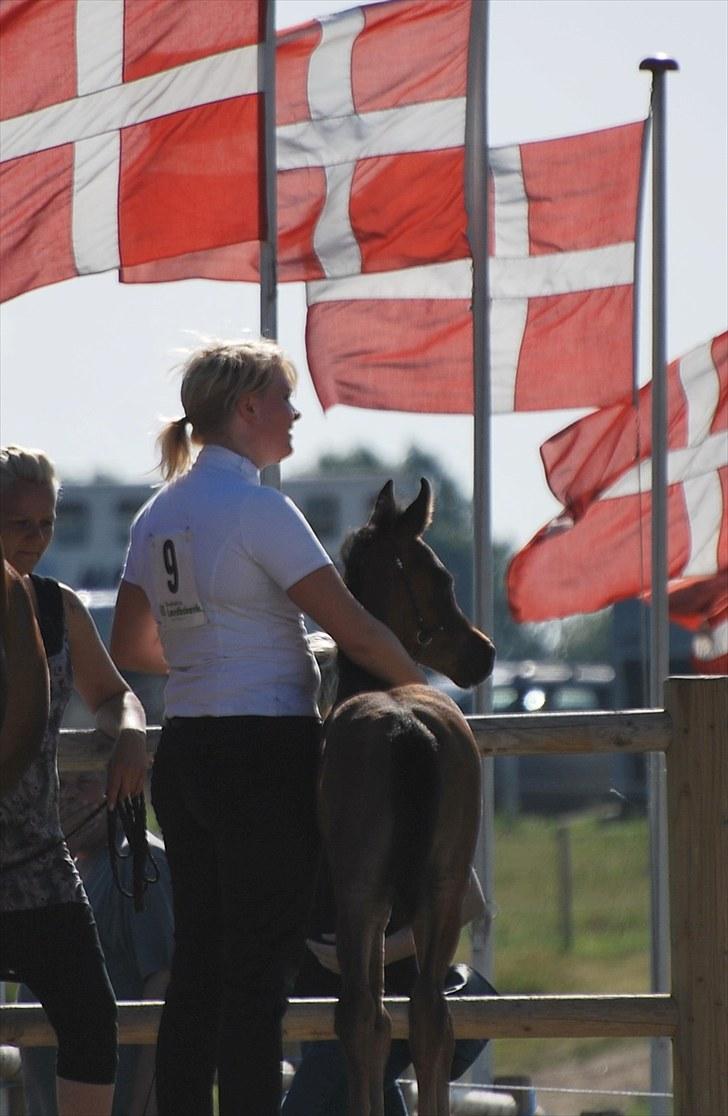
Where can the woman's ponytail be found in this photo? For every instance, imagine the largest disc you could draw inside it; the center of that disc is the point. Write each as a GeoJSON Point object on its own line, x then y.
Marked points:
{"type": "Point", "coordinates": [175, 448]}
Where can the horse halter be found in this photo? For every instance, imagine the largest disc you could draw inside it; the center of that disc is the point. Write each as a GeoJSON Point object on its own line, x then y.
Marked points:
{"type": "Point", "coordinates": [424, 635]}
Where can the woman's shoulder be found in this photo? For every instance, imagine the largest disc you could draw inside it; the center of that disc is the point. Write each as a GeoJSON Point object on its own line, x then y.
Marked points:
{"type": "Point", "coordinates": [42, 584]}
{"type": "Point", "coordinates": [70, 598]}
{"type": "Point", "coordinates": [271, 505]}
{"type": "Point", "coordinates": [158, 496]}
{"type": "Point", "coordinates": [50, 610]}
{"type": "Point", "coordinates": [48, 594]}
{"type": "Point", "coordinates": [74, 609]}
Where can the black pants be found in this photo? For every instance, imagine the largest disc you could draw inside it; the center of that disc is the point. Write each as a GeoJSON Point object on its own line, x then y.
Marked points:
{"type": "Point", "coordinates": [56, 951]}
{"type": "Point", "coordinates": [235, 797]}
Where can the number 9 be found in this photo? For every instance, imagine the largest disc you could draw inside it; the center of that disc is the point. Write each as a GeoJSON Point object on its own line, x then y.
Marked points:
{"type": "Point", "coordinates": [169, 557]}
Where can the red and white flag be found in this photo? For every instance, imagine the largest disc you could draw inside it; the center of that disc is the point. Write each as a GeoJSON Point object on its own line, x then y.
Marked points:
{"type": "Point", "coordinates": [370, 115]}
{"type": "Point", "coordinates": [370, 139]}
{"type": "Point", "coordinates": [563, 221]}
{"type": "Point", "coordinates": [598, 550]}
{"type": "Point", "coordinates": [702, 607]}
{"type": "Point", "coordinates": [130, 131]}
{"type": "Point", "coordinates": [710, 646]}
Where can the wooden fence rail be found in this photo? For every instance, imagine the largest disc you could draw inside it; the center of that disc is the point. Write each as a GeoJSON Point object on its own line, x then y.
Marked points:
{"type": "Point", "coordinates": [497, 1016]}
{"type": "Point", "coordinates": [499, 734]}
{"type": "Point", "coordinates": [693, 732]}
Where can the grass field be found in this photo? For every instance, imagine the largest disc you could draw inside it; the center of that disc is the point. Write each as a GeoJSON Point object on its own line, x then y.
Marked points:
{"type": "Point", "coordinates": [609, 952]}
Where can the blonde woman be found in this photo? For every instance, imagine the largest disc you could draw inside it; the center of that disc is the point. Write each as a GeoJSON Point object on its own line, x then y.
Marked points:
{"type": "Point", "coordinates": [48, 937]}
{"type": "Point", "coordinates": [219, 572]}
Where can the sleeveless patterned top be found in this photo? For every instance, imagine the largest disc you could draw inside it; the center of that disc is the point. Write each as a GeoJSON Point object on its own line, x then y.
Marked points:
{"type": "Point", "coordinates": [30, 826]}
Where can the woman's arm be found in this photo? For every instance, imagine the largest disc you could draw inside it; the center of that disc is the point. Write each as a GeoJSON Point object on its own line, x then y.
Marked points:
{"type": "Point", "coordinates": [397, 946]}
{"type": "Point", "coordinates": [402, 943]}
{"type": "Point", "coordinates": [323, 596]}
{"type": "Point", "coordinates": [119, 713]}
{"type": "Point", "coordinates": [135, 642]}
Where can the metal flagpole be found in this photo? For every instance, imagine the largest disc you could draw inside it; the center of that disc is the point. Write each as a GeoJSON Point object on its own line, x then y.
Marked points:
{"type": "Point", "coordinates": [269, 199]}
{"type": "Point", "coordinates": [476, 199]}
{"type": "Point", "coordinates": [658, 66]}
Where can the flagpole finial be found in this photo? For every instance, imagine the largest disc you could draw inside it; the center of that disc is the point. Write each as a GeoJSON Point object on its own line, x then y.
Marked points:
{"type": "Point", "coordinates": [659, 63]}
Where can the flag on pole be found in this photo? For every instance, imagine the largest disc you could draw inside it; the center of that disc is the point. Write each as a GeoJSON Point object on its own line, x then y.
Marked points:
{"type": "Point", "coordinates": [563, 221]}
{"type": "Point", "coordinates": [130, 131]}
{"type": "Point", "coordinates": [371, 131]}
{"type": "Point", "coordinates": [702, 607]}
{"type": "Point", "coordinates": [597, 551]}
{"type": "Point", "coordinates": [370, 115]}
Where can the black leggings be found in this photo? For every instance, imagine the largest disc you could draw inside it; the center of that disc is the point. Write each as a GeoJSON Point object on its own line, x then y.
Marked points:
{"type": "Point", "coordinates": [235, 797]}
{"type": "Point", "coordinates": [56, 952]}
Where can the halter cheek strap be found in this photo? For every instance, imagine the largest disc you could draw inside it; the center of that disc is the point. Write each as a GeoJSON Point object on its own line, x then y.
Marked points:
{"type": "Point", "coordinates": [424, 635]}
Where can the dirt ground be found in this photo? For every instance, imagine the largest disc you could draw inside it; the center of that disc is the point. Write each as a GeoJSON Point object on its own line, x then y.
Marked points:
{"type": "Point", "coordinates": [624, 1070]}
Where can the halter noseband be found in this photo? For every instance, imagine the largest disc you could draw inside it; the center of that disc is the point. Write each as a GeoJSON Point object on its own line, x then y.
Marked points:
{"type": "Point", "coordinates": [424, 635]}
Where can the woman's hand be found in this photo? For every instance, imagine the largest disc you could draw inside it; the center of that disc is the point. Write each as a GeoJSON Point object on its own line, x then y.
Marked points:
{"type": "Point", "coordinates": [325, 952]}
{"type": "Point", "coordinates": [323, 596]}
{"type": "Point", "coordinates": [127, 766]}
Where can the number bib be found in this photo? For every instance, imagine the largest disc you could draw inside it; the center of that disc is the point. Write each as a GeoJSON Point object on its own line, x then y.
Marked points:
{"type": "Point", "coordinates": [174, 582]}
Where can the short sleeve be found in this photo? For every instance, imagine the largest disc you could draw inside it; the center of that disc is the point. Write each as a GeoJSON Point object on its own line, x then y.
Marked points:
{"type": "Point", "coordinates": [283, 542]}
{"type": "Point", "coordinates": [131, 570]}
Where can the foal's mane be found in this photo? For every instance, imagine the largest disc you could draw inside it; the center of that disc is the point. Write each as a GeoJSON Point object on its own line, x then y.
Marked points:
{"type": "Point", "coordinates": [354, 551]}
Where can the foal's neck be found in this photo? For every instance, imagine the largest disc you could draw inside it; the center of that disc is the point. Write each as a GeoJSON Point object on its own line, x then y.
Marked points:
{"type": "Point", "coordinates": [354, 679]}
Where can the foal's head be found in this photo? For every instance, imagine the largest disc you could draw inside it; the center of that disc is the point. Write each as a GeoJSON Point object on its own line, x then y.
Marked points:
{"type": "Point", "coordinates": [401, 581]}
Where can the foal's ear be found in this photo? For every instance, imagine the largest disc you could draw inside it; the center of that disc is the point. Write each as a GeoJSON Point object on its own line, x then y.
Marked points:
{"type": "Point", "coordinates": [385, 509]}
{"type": "Point", "coordinates": [415, 519]}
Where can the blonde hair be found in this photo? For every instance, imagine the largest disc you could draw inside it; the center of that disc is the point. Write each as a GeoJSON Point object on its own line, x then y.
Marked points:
{"type": "Point", "coordinates": [20, 464]}
{"type": "Point", "coordinates": [213, 379]}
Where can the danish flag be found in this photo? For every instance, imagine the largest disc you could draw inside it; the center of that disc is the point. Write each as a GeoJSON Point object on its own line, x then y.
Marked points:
{"type": "Point", "coordinates": [596, 551]}
{"type": "Point", "coordinates": [563, 220]}
{"type": "Point", "coordinates": [132, 141]}
{"type": "Point", "coordinates": [370, 137]}
{"type": "Point", "coordinates": [130, 132]}
{"type": "Point", "coordinates": [702, 607]}
{"type": "Point", "coordinates": [710, 646]}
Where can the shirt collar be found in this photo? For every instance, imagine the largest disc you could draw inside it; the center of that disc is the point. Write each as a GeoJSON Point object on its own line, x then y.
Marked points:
{"type": "Point", "coordinates": [218, 457]}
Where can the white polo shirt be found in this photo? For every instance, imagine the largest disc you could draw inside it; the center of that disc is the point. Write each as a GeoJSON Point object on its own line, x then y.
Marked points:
{"type": "Point", "coordinates": [215, 552]}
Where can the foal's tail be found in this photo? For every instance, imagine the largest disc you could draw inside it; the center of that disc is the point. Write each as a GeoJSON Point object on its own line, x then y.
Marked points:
{"type": "Point", "coordinates": [415, 798]}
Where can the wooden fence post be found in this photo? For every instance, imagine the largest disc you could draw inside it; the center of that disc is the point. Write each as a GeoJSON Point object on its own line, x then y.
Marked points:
{"type": "Point", "coordinates": [697, 794]}
{"type": "Point", "coordinates": [565, 877]}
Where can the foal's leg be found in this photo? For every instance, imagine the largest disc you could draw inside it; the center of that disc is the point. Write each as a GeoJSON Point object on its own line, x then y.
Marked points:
{"type": "Point", "coordinates": [359, 1022]}
{"type": "Point", "coordinates": [432, 1039]}
{"type": "Point", "coordinates": [382, 1036]}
